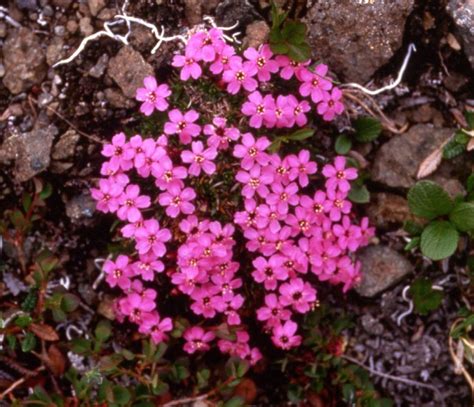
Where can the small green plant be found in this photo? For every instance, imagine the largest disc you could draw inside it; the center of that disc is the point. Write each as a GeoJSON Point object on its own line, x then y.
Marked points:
{"type": "Point", "coordinates": [446, 219]}
{"type": "Point", "coordinates": [367, 129]}
{"type": "Point", "coordinates": [288, 37]}
{"type": "Point", "coordinates": [463, 139]}
{"type": "Point", "coordinates": [425, 297]}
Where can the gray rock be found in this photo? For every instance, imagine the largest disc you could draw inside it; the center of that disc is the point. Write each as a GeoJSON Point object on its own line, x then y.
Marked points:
{"type": "Point", "coordinates": [256, 34]}
{"type": "Point", "coordinates": [26, 4]}
{"type": "Point", "coordinates": [66, 145]}
{"type": "Point", "coordinates": [354, 38]}
{"type": "Point", "coordinates": [128, 69]}
{"type": "Point", "coordinates": [85, 26]}
{"type": "Point", "coordinates": [462, 12]}
{"type": "Point", "coordinates": [99, 68]}
{"type": "Point", "coordinates": [386, 210]}
{"type": "Point", "coordinates": [230, 11]}
{"type": "Point", "coordinates": [80, 208]}
{"type": "Point", "coordinates": [54, 51]}
{"type": "Point", "coordinates": [24, 61]}
{"type": "Point", "coordinates": [382, 267]}
{"type": "Point", "coordinates": [96, 5]}
{"type": "Point", "coordinates": [193, 11]}
{"type": "Point", "coordinates": [398, 160]}
{"type": "Point", "coordinates": [117, 99]}
{"type": "Point", "coordinates": [31, 152]}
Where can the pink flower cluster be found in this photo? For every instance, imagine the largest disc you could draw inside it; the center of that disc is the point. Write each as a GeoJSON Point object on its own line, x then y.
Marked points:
{"type": "Point", "coordinates": [257, 66]}
{"type": "Point", "coordinates": [296, 233]}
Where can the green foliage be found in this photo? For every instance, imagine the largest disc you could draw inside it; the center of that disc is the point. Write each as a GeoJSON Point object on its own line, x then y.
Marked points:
{"type": "Point", "coordinates": [343, 144]}
{"type": "Point", "coordinates": [462, 216]}
{"type": "Point", "coordinates": [425, 298]}
{"type": "Point", "coordinates": [428, 200]}
{"type": "Point", "coordinates": [288, 37]}
{"type": "Point", "coordinates": [298, 135]}
{"type": "Point", "coordinates": [367, 129]}
{"type": "Point", "coordinates": [439, 240]}
{"type": "Point", "coordinates": [458, 144]}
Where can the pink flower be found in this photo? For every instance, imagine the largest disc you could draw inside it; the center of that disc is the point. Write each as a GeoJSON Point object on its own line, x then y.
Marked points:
{"type": "Point", "coordinates": [177, 200]}
{"type": "Point", "coordinates": [261, 60]}
{"type": "Point", "coordinates": [107, 195]}
{"type": "Point", "coordinates": [152, 239]}
{"type": "Point", "coordinates": [153, 96]}
{"type": "Point", "coordinates": [166, 174]}
{"type": "Point", "coordinates": [183, 125]}
{"type": "Point", "coordinates": [206, 44]}
{"type": "Point", "coordinates": [260, 109]}
{"type": "Point", "coordinates": [301, 221]}
{"type": "Point", "coordinates": [147, 266]}
{"type": "Point", "coordinates": [119, 153]}
{"type": "Point", "coordinates": [118, 272]}
{"type": "Point", "coordinates": [300, 167]}
{"type": "Point", "coordinates": [222, 61]}
{"type": "Point", "coordinates": [220, 135]}
{"type": "Point", "coordinates": [135, 305]}
{"type": "Point", "coordinates": [315, 84]}
{"type": "Point", "coordinates": [255, 180]}
{"type": "Point", "coordinates": [284, 335]}
{"type": "Point", "coordinates": [200, 159]}
{"type": "Point", "coordinates": [283, 112]}
{"type": "Point", "coordinates": [272, 312]}
{"type": "Point", "coordinates": [299, 110]}
{"type": "Point", "coordinates": [131, 202]}
{"type": "Point", "coordinates": [298, 294]}
{"type": "Point", "coordinates": [197, 339]}
{"type": "Point", "coordinates": [252, 151]}
{"type": "Point", "coordinates": [190, 68]}
{"type": "Point", "coordinates": [289, 67]}
{"type": "Point", "coordinates": [156, 327]}
{"type": "Point", "coordinates": [203, 302]}
{"type": "Point", "coordinates": [282, 196]}
{"type": "Point", "coordinates": [339, 205]}
{"type": "Point", "coordinates": [331, 105]}
{"type": "Point", "coordinates": [269, 271]}
{"type": "Point", "coordinates": [338, 176]}
{"type": "Point", "coordinates": [240, 75]}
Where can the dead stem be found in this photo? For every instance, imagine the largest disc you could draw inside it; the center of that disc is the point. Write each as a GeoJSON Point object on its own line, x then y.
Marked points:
{"type": "Point", "coordinates": [19, 382]}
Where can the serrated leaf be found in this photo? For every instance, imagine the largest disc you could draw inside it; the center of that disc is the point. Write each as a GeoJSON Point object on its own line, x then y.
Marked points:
{"type": "Point", "coordinates": [343, 144]}
{"type": "Point", "coordinates": [428, 200]}
{"type": "Point", "coordinates": [469, 119]}
{"type": "Point", "coordinates": [412, 244]}
{"type": "Point", "coordinates": [359, 194]}
{"type": "Point", "coordinates": [299, 52]}
{"type": "Point", "coordinates": [413, 228]}
{"type": "Point", "coordinates": [279, 47]}
{"type": "Point", "coordinates": [439, 240]}
{"type": "Point", "coordinates": [28, 343]}
{"type": "Point", "coordinates": [461, 137]}
{"type": "Point", "coordinates": [367, 129]}
{"type": "Point", "coordinates": [452, 150]}
{"type": "Point", "coordinates": [462, 216]}
{"type": "Point", "coordinates": [294, 32]}
{"type": "Point", "coordinates": [425, 298]}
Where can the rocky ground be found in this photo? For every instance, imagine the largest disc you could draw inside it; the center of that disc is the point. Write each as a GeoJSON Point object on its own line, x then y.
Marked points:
{"type": "Point", "coordinates": [53, 122]}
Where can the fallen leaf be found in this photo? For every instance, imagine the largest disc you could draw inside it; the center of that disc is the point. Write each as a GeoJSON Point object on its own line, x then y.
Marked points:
{"type": "Point", "coordinates": [247, 390]}
{"type": "Point", "coordinates": [56, 361]}
{"type": "Point", "coordinates": [470, 145]}
{"type": "Point", "coordinates": [432, 162]}
{"type": "Point", "coordinates": [45, 332]}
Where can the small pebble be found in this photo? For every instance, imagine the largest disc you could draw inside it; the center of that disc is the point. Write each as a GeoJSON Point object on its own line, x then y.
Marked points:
{"type": "Point", "coordinates": [60, 30]}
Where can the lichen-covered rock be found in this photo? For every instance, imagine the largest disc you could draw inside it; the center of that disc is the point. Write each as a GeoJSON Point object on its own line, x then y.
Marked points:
{"type": "Point", "coordinates": [462, 12]}
{"type": "Point", "coordinates": [24, 61]}
{"type": "Point", "coordinates": [230, 11]}
{"type": "Point", "coordinates": [382, 267]}
{"type": "Point", "coordinates": [397, 161]}
{"type": "Point", "coordinates": [256, 34]}
{"type": "Point", "coordinates": [66, 145]}
{"type": "Point", "coordinates": [355, 38]}
{"type": "Point", "coordinates": [387, 210]}
{"type": "Point", "coordinates": [128, 69]}
{"type": "Point", "coordinates": [31, 151]}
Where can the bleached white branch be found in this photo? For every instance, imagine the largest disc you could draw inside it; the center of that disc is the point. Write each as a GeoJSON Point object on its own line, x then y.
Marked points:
{"type": "Point", "coordinates": [411, 49]}
{"type": "Point", "coordinates": [4, 16]}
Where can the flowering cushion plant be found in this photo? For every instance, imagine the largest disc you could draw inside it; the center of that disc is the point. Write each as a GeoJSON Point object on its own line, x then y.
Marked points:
{"type": "Point", "coordinates": [293, 226]}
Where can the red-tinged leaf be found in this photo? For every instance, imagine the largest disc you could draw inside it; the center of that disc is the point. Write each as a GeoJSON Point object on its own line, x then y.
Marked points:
{"type": "Point", "coordinates": [45, 332]}
{"type": "Point", "coordinates": [56, 361]}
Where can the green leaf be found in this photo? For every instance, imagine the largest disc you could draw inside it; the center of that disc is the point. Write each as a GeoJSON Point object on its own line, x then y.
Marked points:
{"type": "Point", "coordinates": [343, 144]}
{"type": "Point", "coordinates": [439, 240]}
{"type": "Point", "coordinates": [302, 134]}
{"type": "Point", "coordinates": [23, 321]}
{"type": "Point", "coordinates": [236, 367]}
{"type": "Point", "coordinates": [462, 216]}
{"type": "Point", "coordinates": [275, 146]}
{"type": "Point", "coordinates": [235, 401]}
{"type": "Point", "coordinates": [359, 194]}
{"type": "Point", "coordinates": [425, 298]}
{"type": "Point", "coordinates": [103, 330]}
{"type": "Point", "coordinates": [46, 192]}
{"type": "Point", "coordinates": [461, 138]}
{"type": "Point", "coordinates": [279, 48]}
{"type": "Point", "coordinates": [413, 243]}
{"type": "Point", "coordinates": [413, 228]}
{"type": "Point", "coordinates": [277, 16]}
{"type": "Point", "coordinates": [348, 393]}
{"type": "Point", "coordinates": [80, 345]}
{"type": "Point", "coordinates": [203, 376]}
{"type": "Point", "coordinates": [294, 32]}
{"type": "Point", "coordinates": [470, 183]}
{"type": "Point", "coordinates": [28, 343]}
{"type": "Point", "coordinates": [26, 201]}
{"type": "Point", "coordinates": [463, 327]}
{"type": "Point", "coordinates": [470, 119]}
{"type": "Point", "coordinates": [429, 200]}
{"type": "Point", "coordinates": [69, 302]}
{"type": "Point", "coordinates": [299, 52]}
{"type": "Point", "coordinates": [121, 395]}
{"type": "Point", "coordinates": [367, 129]}
{"type": "Point", "coordinates": [452, 150]}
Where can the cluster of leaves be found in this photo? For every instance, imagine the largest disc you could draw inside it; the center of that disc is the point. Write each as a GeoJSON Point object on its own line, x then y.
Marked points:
{"type": "Point", "coordinates": [463, 139]}
{"type": "Point", "coordinates": [446, 218]}
{"type": "Point", "coordinates": [288, 37]}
